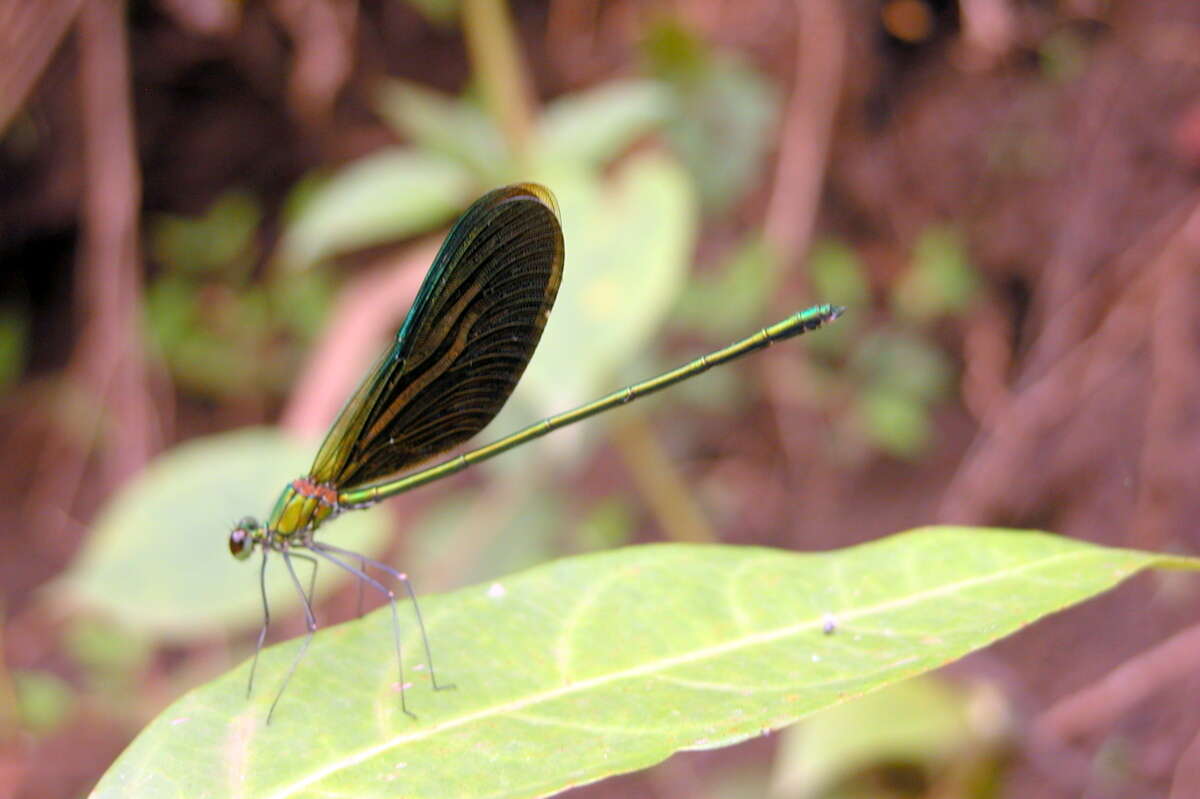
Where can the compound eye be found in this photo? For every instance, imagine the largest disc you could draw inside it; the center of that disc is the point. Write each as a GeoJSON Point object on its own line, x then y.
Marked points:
{"type": "Point", "coordinates": [241, 543]}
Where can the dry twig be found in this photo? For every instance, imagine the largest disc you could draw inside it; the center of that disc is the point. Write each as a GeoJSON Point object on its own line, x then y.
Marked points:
{"type": "Point", "coordinates": [29, 35]}
{"type": "Point", "coordinates": [804, 143]}
{"type": "Point", "coordinates": [1010, 435]}
{"type": "Point", "coordinates": [1099, 705]}
{"type": "Point", "coordinates": [108, 362]}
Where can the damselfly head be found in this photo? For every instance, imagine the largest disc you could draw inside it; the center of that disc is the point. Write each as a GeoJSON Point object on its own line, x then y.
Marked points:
{"type": "Point", "coordinates": [244, 536]}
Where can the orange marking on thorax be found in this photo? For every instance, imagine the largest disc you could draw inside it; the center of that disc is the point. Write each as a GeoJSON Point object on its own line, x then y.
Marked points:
{"type": "Point", "coordinates": [310, 490]}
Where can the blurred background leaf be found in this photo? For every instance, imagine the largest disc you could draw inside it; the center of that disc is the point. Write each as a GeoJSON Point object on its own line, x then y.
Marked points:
{"type": "Point", "coordinates": [735, 299]}
{"type": "Point", "coordinates": [589, 128]}
{"type": "Point", "coordinates": [455, 128]}
{"type": "Point", "coordinates": [43, 700]}
{"type": "Point", "coordinates": [153, 563]}
{"type": "Point", "coordinates": [390, 194]}
{"type": "Point", "coordinates": [924, 736]}
{"type": "Point", "coordinates": [222, 240]}
{"type": "Point", "coordinates": [723, 111]}
{"type": "Point", "coordinates": [631, 244]}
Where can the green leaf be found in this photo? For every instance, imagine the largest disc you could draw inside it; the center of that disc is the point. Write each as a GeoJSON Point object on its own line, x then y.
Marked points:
{"type": "Point", "coordinates": [157, 559]}
{"type": "Point", "coordinates": [387, 195]}
{"type": "Point", "coordinates": [300, 303]}
{"type": "Point", "coordinates": [607, 663]}
{"type": "Point", "coordinates": [901, 375]}
{"type": "Point", "coordinates": [440, 123]}
{"type": "Point", "coordinates": [723, 131]}
{"type": "Point", "coordinates": [592, 127]}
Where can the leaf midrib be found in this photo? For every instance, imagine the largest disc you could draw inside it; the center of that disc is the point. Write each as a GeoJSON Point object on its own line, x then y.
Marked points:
{"type": "Point", "coordinates": [666, 663]}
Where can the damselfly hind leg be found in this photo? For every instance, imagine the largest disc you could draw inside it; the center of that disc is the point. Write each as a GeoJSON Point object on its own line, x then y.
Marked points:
{"type": "Point", "coordinates": [328, 554]}
{"type": "Point", "coordinates": [362, 564]}
{"type": "Point", "coordinates": [403, 579]}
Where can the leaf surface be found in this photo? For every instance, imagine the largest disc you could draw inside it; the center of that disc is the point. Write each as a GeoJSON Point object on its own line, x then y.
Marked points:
{"type": "Point", "coordinates": [602, 664]}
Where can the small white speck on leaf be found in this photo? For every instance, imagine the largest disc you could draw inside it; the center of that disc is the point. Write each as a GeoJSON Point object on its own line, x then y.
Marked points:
{"type": "Point", "coordinates": [496, 591]}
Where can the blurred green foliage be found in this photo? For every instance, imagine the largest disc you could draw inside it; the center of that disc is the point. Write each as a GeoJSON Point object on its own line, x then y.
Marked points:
{"type": "Point", "coordinates": [222, 334]}
{"type": "Point", "coordinates": [878, 381]}
{"type": "Point", "coordinates": [440, 12]}
{"type": "Point", "coordinates": [14, 334]}
{"type": "Point", "coordinates": [606, 525]}
{"type": "Point", "coordinates": [219, 241]}
{"type": "Point", "coordinates": [44, 700]}
{"type": "Point", "coordinates": [388, 195]}
{"type": "Point", "coordinates": [939, 280]}
{"type": "Point", "coordinates": [722, 115]}
{"type": "Point", "coordinates": [456, 152]}
{"type": "Point", "coordinates": [733, 300]}
{"type": "Point", "coordinates": [921, 737]}
{"type": "Point", "coordinates": [105, 650]}
{"type": "Point", "coordinates": [897, 371]}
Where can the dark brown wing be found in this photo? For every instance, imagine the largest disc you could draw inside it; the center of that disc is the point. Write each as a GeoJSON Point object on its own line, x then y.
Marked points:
{"type": "Point", "coordinates": [463, 346]}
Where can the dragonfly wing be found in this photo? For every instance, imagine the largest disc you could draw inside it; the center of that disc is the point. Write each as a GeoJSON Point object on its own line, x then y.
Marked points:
{"type": "Point", "coordinates": [470, 333]}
